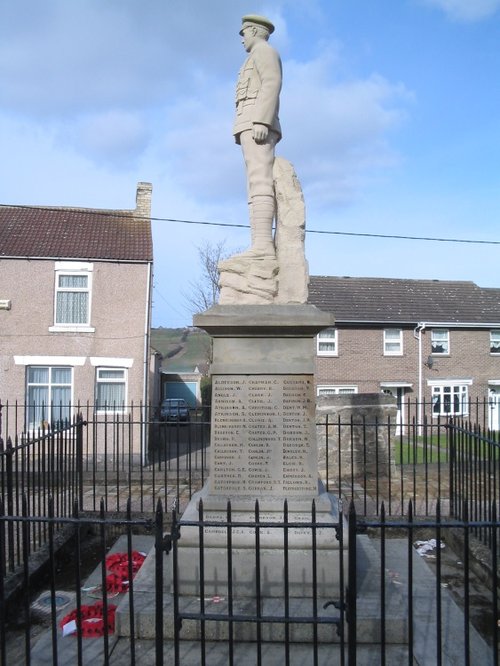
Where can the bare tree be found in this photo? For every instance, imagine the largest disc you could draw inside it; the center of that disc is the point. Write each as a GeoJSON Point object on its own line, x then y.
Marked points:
{"type": "Point", "coordinates": [204, 291]}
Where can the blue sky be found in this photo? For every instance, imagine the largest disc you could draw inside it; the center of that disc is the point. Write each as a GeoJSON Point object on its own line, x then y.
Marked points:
{"type": "Point", "coordinates": [390, 115]}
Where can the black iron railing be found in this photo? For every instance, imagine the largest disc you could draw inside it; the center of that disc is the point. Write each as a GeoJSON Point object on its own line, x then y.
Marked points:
{"type": "Point", "coordinates": [254, 614]}
{"type": "Point", "coordinates": [474, 474]}
{"type": "Point", "coordinates": [33, 468]}
{"type": "Point", "coordinates": [131, 453]}
{"type": "Point", "coordinates": [394, 606]}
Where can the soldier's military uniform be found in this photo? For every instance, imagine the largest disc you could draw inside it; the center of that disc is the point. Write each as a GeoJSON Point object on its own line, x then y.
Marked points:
{"type": "Point", "coordinates": [257, 102]}
{"type": "Point", "coordinates": [257, 91]}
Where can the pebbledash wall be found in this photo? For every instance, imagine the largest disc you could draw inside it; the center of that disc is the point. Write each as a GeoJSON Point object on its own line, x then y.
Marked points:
{"type": "Point", "coordinates": [360, 365]}
{"type": "Point", "coordinates": [115, 339]}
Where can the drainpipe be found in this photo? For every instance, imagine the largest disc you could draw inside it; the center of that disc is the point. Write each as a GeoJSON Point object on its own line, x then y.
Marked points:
{"type": "Point", "coordinates": [417, 333]}
{"type": "Point", "coordinates": [143, 211]}
{"type": "Point", "coordinates": [145, 394]}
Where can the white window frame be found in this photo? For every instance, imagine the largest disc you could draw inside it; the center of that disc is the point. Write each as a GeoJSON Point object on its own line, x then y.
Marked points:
{"type": "Point", "coordinates": [123, 380]}
{"type": "Point", "coordinates": [50, 406]}
{"type": "Point", "coordinates": [454, 393]}
{"type": "Point", "coordinates": [336, 390]}
{"type": "Point", "coordinates": [330, 336]}
{"type": "Point", "coordinates": [495, 341]}
{"type": "Point", "coordinates": [79, 269]}
{"type": "Point", "coordinates": [436, 340]}
{"type": "Point", "coordinates": [396, 341]}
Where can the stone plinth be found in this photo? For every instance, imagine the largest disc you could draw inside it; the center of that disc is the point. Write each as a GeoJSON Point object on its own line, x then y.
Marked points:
{"type": "Point", "coordinates": [363, 425]}
{"type": "Point", "coordinates": [261, 541]}
{"type": "Point", "coordinates": [263, 447]}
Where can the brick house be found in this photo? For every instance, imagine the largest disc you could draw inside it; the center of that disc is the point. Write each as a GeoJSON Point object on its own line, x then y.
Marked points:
{"type": "Point", "coordinates": [75, 305]}
{"type": "Point", "coordinates": [428, 341]}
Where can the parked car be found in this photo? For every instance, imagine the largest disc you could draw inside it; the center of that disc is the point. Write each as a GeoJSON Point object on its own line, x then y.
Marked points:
{"type": "Point", "coordinates": [174, 409]}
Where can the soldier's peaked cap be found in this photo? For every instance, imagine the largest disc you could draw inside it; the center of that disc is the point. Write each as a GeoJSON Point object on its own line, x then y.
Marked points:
{"type": "Point", "coordinates": [254, 19]}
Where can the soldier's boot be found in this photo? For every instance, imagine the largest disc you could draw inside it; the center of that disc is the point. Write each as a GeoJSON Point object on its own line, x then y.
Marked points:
{"type": "Point", "coordinates": [261, 209]}
{"type": "Point", "coordinates": [262, 226]}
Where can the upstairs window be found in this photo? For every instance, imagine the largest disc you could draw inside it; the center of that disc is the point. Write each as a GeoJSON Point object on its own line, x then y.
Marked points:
{"type": "Point", "coordinates": [495, 341]}
{"type": "Point", "coordinates": [440, 341]}
{"type": "Point", "coordinates": [393, 342]}
{"type": "Point", "coordinates": [72, 302]}
{"type": "Point", "coordinates": [72, 299]}
{"type": "Point", "coordinates": [327, 342]}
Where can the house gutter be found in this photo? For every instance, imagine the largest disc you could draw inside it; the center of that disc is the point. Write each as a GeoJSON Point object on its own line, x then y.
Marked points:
{"type": "Point", "coordinates": [107, 260]}
{"type": "Point", "coordinates": [429, 324]}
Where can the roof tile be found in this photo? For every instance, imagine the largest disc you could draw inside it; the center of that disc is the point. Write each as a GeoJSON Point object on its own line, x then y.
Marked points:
{"type": "Point", "coordinates": [370, 300]}
{"type": "Point", "coordinates": [83, 233]}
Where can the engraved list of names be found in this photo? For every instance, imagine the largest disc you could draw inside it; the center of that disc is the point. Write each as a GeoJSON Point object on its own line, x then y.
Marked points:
{"type": "Point", "coordinates": [263, 435]}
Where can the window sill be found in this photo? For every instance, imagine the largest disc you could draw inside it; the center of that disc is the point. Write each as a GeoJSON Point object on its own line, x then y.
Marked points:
{"type": "Point", "coordinates": [449, 416]}
{"type": "Point", "coordinates": [71, 329]}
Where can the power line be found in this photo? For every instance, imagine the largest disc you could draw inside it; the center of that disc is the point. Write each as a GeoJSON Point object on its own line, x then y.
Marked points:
{"type": "Point", "coordinates": [326, 232]}
{"type": "Point", "coordinates": [398, 237]}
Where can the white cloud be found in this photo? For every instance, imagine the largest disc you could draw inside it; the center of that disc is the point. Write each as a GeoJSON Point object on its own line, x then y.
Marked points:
{"type": "Point", "coordinates": [467, 10]}
{"type": "Point", "coordinates": [337, 132]}
{"type": "Point", "coordinates": [60, 57]}
{"type": "Point", "coordinates": [45, 169]}
{"type": "Point", "coordinates": [117, 86]}
{"type": "Point", "coordinates": [114, 137]}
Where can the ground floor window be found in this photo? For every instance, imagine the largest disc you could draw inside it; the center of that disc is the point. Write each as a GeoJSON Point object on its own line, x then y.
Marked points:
{"type": "Point", "coordinates": [336, 390]}
{"type": "Point", "coordinates": [111, 389]}
{"type": "Point", "coordinates": [450, 400]}
{"type": "Point", "coordinates": [48, 396]}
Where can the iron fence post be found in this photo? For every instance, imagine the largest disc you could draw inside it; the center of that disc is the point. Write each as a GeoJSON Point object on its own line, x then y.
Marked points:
{"type": "Point", "coordinates": [159, 582]}
{"type": "Point", "coordinates": [410, 584]}
{"type": "Point", "coordinates": [25, 552]}
{"type": "Point", "coordinates": [10, 501]}
{"type": "Point", "coordinates": [131, 573]}
{"type": "Point", "coordinates": [3, 613]}
{"type": "Point", "coordinates": [175, 586]}
{"type": "Point", "coordinates": [351, 586]}
{"type": "Point", "coordinates": [79, 457]}
{"type": "Point", "coordinates": [451, 457]}
{"type": "Point", "coordinates": [495, 526]}
{"type": "Point", "coordinates": [382, 584]}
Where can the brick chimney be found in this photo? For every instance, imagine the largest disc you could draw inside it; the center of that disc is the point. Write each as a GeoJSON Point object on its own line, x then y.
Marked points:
{"type": "Point", "coordinates": [143, 200]}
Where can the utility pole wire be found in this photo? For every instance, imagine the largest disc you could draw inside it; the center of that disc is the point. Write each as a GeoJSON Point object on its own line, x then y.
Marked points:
{"type": "Point", "coordinates": [326, 232]}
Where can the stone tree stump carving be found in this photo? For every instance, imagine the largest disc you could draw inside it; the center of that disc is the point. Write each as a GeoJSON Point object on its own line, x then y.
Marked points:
{"type": "Point", "coordinates": [248, 279]}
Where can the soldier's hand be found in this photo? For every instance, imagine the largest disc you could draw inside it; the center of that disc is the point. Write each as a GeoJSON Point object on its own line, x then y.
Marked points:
{"type": "Point", "coordinates": [260, 132]}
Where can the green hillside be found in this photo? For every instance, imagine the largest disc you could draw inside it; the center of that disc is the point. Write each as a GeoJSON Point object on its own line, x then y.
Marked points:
{"type": "Point", "coordinates": [183, 349]}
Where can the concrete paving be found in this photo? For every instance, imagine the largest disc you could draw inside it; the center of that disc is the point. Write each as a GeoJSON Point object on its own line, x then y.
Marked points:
{"type": "Point", "coordinates": [329, 650]}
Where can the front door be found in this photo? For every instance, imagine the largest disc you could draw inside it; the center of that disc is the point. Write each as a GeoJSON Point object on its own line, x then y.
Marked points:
{"type": "Point", "coordinates": [398, 392]}
{"type": "Point", "coordinates": [494, 408]}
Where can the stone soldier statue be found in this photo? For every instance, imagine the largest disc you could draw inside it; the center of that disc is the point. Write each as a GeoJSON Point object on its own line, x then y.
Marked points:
{"type": "Point", "coordinates": [257, 128]}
